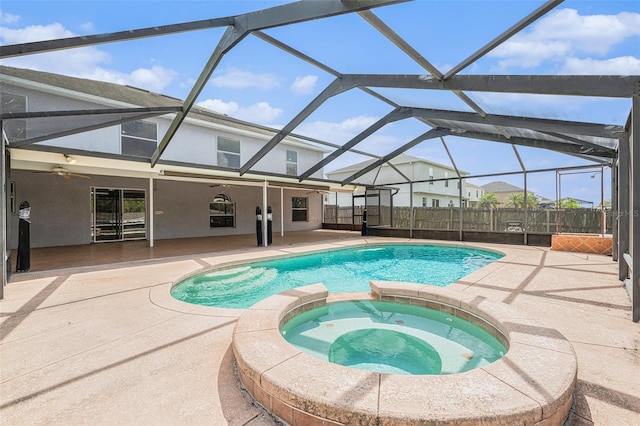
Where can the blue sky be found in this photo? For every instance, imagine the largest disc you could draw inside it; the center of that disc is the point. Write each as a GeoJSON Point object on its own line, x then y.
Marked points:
{"type": "Point", "coordinates": [259, 83]}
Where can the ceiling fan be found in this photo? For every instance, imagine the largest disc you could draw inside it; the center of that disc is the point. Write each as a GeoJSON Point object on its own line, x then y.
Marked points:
{"type": "Point", "coordinates": [61, 171]}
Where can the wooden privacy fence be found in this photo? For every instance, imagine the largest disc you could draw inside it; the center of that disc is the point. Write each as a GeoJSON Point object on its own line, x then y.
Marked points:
{"type": "Point", "coordinates": [580, 221]}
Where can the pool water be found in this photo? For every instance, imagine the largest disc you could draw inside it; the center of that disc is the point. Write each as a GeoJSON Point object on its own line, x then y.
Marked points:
{"type": "Point", "coordinates": [343, 270]}
{"type": "Point", "coordinates": [393, 338]}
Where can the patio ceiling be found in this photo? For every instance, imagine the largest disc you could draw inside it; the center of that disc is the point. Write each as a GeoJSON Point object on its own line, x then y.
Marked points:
{"type": "Point", "coordinates": [595, 142]}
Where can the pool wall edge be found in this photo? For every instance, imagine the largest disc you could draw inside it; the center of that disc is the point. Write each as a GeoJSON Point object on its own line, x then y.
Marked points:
{"type": "Point", "coordinates": [300, 389]}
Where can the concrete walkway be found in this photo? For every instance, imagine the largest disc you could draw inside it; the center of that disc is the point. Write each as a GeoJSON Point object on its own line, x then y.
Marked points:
{"type": "Point", "coordinates": [107, 345]}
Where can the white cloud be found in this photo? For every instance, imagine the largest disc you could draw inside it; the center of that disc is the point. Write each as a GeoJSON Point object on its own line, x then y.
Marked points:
{"type": "Point", "coordinates": [85, 62]}
{"type": "Point", "coordinates": [238, 79]}
{"type": "Point", "coordinates": [342, 132]}
{"type": "Point", "coordinates": [564, 33]}
{"type": "Point", "coordinates": [34, 33]}
{"type": "Point", "coordinates": [219, 106]}
{"type": "Point", "coordinates": [87, 26]}
{"type": "Point", "coordinates": [154, 79]}
{"type": "Point", "coordinates": [304, 85]}
{"type": "Point", "coordinates": [625, 65]}
{"type": "Point", "coordinates": [8, 18]}
{"type": "Point", "coordinates": [336, 131]}
{"type": "Point", "coordinates": [260, 113]}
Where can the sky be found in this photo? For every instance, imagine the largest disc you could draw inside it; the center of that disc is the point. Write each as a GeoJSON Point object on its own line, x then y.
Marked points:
{"type": "Point", "coordinates": [259, 83]}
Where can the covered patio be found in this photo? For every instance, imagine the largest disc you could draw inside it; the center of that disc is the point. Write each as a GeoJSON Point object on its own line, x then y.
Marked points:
{"type": "Point", "coordinates": [107, 344]}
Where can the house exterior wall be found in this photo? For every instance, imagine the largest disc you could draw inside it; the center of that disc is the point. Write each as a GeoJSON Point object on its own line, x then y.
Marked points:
{"type": "Point", "coordinates": [194, 143]}
{"type": "Point", "coordinates": [61, 208]}
{"type": "Point", "coordinates": [418, 170]}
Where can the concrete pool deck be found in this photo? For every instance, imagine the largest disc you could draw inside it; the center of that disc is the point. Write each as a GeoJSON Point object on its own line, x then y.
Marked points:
{"type": "Point", "coordinates": [106, 344]}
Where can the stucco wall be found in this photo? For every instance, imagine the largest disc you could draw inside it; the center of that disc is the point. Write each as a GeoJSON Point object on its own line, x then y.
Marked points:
{"type": "Point", "coordinates": [194, 143]}
{"type": "Point", "coordinates": [61, 209]}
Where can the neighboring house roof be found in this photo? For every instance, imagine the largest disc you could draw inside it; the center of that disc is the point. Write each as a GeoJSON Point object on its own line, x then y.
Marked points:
{"type": "Point", "coordinates": [396, 161]}
{"type": "Point", "coordinates": [546, 201]}
{"type": "Point", "coordinates": [136, 97]}
{"type": "Point", "coordinates": [500, 186]}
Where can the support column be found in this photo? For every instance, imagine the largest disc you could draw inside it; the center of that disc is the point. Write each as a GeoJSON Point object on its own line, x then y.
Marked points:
{"type": "Point", "coordinates": [614, 209]}
{"type": "Point", "coordinates": [603, 218]}
{"type": "Point", "coordinates": [3, 212]}
{"type": "Point", "coordinates": [265, 186]}
{"type": "Point", "coordinates": [282, 212]}
{"type": "Point", "coordinates": [460, 204]}
{"type": "Point", "coordinates": [635, 208]}
{"type": "Point", "coordinates": [623, 205]}
{"type": "Point", "coordinates": [151, 210]}
{"type": "Point", "coordinates": [411, 207]}
{"type": "Point", "coordinates": [525, 207]}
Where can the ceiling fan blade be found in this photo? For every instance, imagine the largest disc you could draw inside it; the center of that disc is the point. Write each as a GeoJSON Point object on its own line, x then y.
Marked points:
{"type": "Point", "coordinates": [79, 175]}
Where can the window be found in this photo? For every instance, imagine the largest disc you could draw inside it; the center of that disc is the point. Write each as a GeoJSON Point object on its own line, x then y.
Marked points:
{"type": "Point", "coordinates": [228, 152]}
{"type": "Point", "coordinates": [299, 209]}
{"type": "Point", "coordinates": [435, 203]}
{"type": "Point", "coordinates": [292, 162]}
{"type": "Point", "coordinates": [139, 138]}
{"type": "Point", "coordinates": [222, 212]}
{"type": "Point", "coordinates": [424, 201]}
{"type": "Point", "coordinates": [476, 193]}
{"type": "Point", "coordinates": [446, 182]}
{"type": "Point", "coordinates": [15, 129]}
{"type": "Point", "coordinates": [458, 184]}
{"type": "Point", "coordinates": [430, 175]}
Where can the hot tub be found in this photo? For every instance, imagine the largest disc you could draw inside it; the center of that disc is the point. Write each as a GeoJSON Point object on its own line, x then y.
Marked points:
{"type": "Point", "coordinates": [532, 383]}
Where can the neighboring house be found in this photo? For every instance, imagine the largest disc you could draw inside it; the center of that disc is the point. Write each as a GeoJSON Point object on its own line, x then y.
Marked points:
{"type": "Point", "coordinates": [502, 190]}
{"type": "Point", "coordinates": [99, 186]}
{"type": "Point", "coordinates": [442, 192]}
{"type": "Point", "coordinates": [474, 193]}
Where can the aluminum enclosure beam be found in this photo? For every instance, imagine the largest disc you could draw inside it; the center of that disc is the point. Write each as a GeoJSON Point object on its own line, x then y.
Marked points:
{"type": "Point", "coordinates": [523, 23]}
{"type": "Point", "coordinates": [538, 124]}
{"type": "Point", "coordinates": [92, 40]}
{"type": "Point", "coordinates": [395, 115]}
{"type": "Point", "coordinates": [255, 21]}
{"type": "Point", "coordinates": [101, 111]}
{"type": "Point", "coordinates": [31, 141]}
{"type": "Point", "coordinates": [383, 28]}
{"type": "Point", "coordinates": [336, 87]}
{"type": "Point", "coordinates": [634, 212]}
{"type": "Point", "coordinates": [395, 38]}
{"type": "Point", "coordinates": [569, 85]}
{"type": "Point", "coordinates": [578, 141]}
{"type": "Point", "coordinates": [519, 172]}
{"type": "Point", "coordinates": [230, 38]}
{"type": "Point", "coordinates": [431, 134]}
{"type": "Point", "coordinates": [292, 11]}
{"type": "Point", "coordinates": [565, 148]}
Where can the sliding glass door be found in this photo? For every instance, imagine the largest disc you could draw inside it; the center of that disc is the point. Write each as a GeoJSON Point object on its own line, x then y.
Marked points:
{"type": "Point", "coordinates": [118, 214]}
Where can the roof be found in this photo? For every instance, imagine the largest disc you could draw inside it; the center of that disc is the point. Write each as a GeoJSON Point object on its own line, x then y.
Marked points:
{"type": "Point", "coordinates": [501, 186]}
{"type": "Point", "coordinates": [399, 160]}
{"type": "Point", "coordinates": [134, 96]}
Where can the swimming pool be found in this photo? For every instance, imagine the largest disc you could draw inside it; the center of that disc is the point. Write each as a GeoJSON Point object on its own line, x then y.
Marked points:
{"type": "Point", "coordinates": [342, 270]}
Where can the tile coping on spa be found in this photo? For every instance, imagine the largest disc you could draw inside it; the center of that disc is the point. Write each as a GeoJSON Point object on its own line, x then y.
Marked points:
{"type": "Point", "coordinates": [532, 384]}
